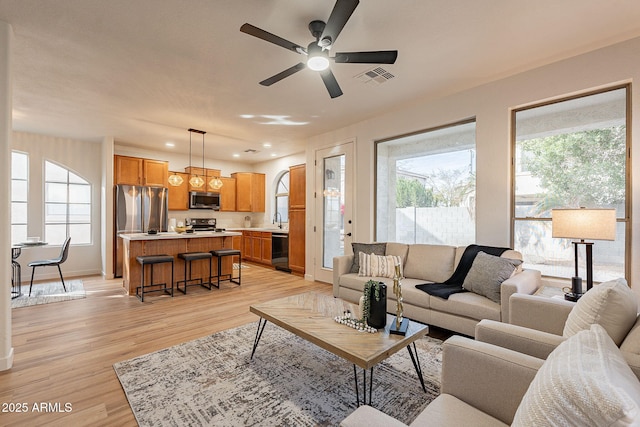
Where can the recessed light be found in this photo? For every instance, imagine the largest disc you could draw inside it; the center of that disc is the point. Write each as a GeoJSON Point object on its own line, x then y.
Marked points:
{"type": "Point", "coordinates": [247, 116]}
{"type": "Point", "coordinates": [273, 154]}
{"type": "Point", "coordinates": [266, 144]}
{"type": "Point", "coordinates": [236, 155]}
{"type": "Point", "coordinates": [170, 144]}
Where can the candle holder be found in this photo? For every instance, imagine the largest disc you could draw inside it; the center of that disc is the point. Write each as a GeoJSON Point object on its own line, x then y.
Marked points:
{"type": "Point", "coordinates": [400, 325]}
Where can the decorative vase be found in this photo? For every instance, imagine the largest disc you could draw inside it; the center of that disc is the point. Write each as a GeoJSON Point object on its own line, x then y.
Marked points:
{"type": "Point", "coordinates": [377, 304]}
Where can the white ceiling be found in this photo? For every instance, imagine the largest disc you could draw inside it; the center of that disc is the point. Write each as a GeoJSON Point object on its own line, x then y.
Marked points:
{"type": "Point", "coordinates": [144, 71]}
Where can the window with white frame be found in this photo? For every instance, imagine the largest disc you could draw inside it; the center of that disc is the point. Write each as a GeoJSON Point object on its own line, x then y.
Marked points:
{"type": "Point", "coordinates": [569, 154]}
{"type": "Point", "coordinates": [19, 196]}
{"type": "Point", "coordinates": [282, 199]}
{"type": "Point", "coordinates": [425, 186]}
{"type": "Point", "coordinates": [67, 206]}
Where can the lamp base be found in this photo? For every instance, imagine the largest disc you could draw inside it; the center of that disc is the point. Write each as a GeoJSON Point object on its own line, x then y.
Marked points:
{"type": "Point", "coordinates": [570, 296]}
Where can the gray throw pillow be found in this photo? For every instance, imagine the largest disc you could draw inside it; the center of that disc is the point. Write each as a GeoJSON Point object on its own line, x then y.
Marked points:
{"type": "Point", "coordinates": [367, 248]}
{"type": "Point", "coordinates": [487, 274]}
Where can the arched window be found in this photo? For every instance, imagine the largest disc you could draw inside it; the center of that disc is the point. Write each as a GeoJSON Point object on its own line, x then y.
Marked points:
{"type": "Point", "coordinates": [67, 204]}
{"type": "Point", "coordinates": [282, 199]}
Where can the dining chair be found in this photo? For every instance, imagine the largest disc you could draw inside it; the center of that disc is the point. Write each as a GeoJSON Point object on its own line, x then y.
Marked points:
{"type": "Point", "coordinates": [64, 252]}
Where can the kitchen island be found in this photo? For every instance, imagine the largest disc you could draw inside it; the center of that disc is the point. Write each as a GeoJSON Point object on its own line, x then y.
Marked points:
{"type": "Point", "coordinates": [137, 244]}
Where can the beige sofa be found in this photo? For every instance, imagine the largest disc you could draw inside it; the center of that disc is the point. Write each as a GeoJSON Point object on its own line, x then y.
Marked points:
{"type": "Point", "coordinates": [487, 385]}
{"type": "Point", "coordinates": [424, 263]}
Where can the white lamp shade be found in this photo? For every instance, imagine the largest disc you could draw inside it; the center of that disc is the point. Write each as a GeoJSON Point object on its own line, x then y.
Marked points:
{"type": "Point", "coordinates": [593, 224]}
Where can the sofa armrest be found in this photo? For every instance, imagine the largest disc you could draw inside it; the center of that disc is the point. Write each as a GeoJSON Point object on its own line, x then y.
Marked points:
{"type": "Point", "coordinates": [341, 265]}
{"type": "Point", "coordinates": [517, 338]}
{"type": "Point", "coordinates": [366, 416]}
{"type": "Point", "coordinates": [541, 313]}
{"type": "Point", "coordinates": [492, 379]}
{"type": "Point", "coordinates": [525, 282]}
{"type": "Point", "coordinates": [633, 360]}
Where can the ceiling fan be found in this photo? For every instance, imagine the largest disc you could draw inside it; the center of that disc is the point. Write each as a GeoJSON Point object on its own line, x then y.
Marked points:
{"type": "Point", "coordinates": [317, 51]}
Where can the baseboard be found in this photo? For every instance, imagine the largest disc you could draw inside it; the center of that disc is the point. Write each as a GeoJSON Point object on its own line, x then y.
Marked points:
{"type": "Point", "coordinates": [53, 275]}
{"type": "Point", "coordinates": [7, 362]}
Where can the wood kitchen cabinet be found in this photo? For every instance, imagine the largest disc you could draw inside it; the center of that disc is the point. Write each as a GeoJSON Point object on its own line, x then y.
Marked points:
{"type": "Point", "coordinates": [179, 195]}
{"type": "Point", "coordinates": [228, 194]}
{"type": "Point", "coordinates": [138, 171]}
{"type": "Point", "coordinates": [250, 191]}
{"type": "Point", "coordinates": [297, 218]}
{"type": "Point", "coordinates": [256, 247]}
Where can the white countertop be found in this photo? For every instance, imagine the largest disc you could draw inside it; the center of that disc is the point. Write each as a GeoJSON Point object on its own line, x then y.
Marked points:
{"type": "Point", "coordinates": [173, 235]}
{"type": "Point", "coordinates": [267, 229]}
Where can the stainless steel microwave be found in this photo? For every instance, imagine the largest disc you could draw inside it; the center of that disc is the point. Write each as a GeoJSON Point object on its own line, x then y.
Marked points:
{"type": "Point", "coordinates": [204, 200]}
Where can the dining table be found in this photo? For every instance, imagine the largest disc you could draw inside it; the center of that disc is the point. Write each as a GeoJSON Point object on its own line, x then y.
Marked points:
{"type": "Point", "coordinates": [16, 269]}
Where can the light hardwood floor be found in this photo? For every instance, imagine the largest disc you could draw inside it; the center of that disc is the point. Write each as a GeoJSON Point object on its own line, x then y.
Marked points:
{"type": "Point", "coordinates": [64, 352]}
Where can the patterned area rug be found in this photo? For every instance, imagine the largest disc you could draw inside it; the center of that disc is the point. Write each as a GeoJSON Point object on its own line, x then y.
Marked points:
{"type": "Point", "coordinates": [45, 293]}
{"type": "Point", "coordinates": [211, 381]}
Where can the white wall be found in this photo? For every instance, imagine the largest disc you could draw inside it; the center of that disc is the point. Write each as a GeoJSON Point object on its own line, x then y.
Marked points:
{"type": "Point", "coordinates": [72, 154]}
{"type": "Point", "coordinates": [491, 105]}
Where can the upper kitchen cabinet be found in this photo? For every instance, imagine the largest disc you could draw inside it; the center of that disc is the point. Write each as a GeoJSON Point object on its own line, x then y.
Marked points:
{"type": "Point", "coordinates": [250, 191]}
{"type": "Point", "coordinates": [179, 195]}
{"type": "Point", "coordinates": [228, 194]}
{"type": "Point", "coordinates": [156, 172]}
{"type": "Point", "coordinates": [138, 171]}
{"type": "Point", "coordinates": [297, 187]}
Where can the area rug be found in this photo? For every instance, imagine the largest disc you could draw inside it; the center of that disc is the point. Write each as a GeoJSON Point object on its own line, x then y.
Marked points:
{"type": "Point", "coordinates": [211, 381]}
{"type": "Point", "coordinates": [45, 293]}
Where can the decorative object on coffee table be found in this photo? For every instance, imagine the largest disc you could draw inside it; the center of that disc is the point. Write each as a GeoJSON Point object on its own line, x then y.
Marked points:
{"type": "Point", "coordinates": [401, 324]}
{"type": "Point", "coordinates": [375, 304]}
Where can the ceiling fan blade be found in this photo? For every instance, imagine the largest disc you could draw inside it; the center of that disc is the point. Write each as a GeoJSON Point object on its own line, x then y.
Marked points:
{"type": "Point", "coordinates": [331, 83]}
{"type": "Point", "coordinates": [281, 75]}
{"type": "Point", "coordinates": [271, 38]}
{"type": "Point", "coordinates": [339, 16]}
{"type": "Point", "coordinates": [377, 57]}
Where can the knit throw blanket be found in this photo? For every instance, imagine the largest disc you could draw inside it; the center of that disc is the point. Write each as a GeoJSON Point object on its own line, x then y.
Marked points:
{"type": "Point", "coordinates": [453, 284]}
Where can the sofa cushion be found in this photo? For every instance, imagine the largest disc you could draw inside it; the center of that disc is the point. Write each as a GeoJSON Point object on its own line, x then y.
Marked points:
{"type": "Point", "coordinates": [467, 304]}
{"type": "Point", "coordinates": [433, 263]}
{"type": "Point", "coordinates": [585, 381]}
{"type": "Point", "coordinates": [379, 265]}
{"type": "Point", "coordinates": [631, 342]}
{"type": "Point", "coordinates": [367, 248]}
{"type": "Point", "coordinates": [398, 249]}
{"type": "Point", "coordinates": [487, 274]}
{"type": "Point", "coordinates": [447, 410]}
{"type": "Point", "coordinates": [610, 304]}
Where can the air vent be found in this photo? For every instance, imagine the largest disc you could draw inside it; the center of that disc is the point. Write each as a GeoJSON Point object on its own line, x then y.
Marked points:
{"type": "Point", "coordinates": [250, 151]}
{"type": "Point", "coordinates": [376, 75]}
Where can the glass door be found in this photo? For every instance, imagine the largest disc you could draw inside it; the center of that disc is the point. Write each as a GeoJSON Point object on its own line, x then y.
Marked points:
{"type": "Point", "coordinates": [334, 185]}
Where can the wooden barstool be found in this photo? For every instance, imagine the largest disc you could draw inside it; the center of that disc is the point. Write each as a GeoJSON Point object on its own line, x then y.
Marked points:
{"type": "Point", "coordinates": [153, 260]}
{"type": "Point", "coordinates": [220, 253]}
{"type": "Point", "coordinates": [188, 258]}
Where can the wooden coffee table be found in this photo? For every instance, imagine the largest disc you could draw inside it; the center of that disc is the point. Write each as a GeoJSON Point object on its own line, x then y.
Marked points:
{"type": "Point", "coordinates": [311, 316]}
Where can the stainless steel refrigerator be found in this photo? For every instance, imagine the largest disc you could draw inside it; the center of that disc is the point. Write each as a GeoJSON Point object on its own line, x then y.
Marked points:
{"type": "Point", "coordinates": [138, 210]}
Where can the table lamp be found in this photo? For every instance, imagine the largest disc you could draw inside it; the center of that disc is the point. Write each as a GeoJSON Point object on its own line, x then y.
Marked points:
{"type": "Point", "coordinates": [592, 224]}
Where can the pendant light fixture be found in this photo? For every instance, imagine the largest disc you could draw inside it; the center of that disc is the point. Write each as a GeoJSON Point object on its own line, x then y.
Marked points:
{"type": "Point", "coordinates": [196, 180]}
{"type": "Point", "coordinates": [175, 180]}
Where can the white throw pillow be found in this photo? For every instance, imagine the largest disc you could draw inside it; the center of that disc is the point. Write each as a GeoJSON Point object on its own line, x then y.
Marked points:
{"type": "Point", "coordinates": [613, 305]}
{"type": "Point", "coordinates": [373, 265]}
{"type": "Point", "coordinates": [585, 381]}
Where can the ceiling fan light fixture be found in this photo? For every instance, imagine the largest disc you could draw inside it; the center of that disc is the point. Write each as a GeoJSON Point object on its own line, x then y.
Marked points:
{"type": "Point", "coordinates": [318, 63]}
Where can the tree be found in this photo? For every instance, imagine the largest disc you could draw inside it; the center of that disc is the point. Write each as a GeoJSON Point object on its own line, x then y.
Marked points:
{"type": "Point", "coordinates": [585, 168]}
{"type": "Point", "coordinates": [451, 187]}
{"type": "Point", "coordinates": [409, 192]}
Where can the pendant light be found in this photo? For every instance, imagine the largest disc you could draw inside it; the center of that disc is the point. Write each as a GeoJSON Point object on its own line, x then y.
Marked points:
{"type": "Point", "coordinates": [196, 180]}
{"type": "Point", "coordinates": [175, 180]}
{"type": "Point", "coordinates": [215, 183]}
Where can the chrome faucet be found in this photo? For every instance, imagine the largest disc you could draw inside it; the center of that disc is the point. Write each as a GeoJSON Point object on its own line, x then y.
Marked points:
{"type": "Point", "coordinates": [275, 218]}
